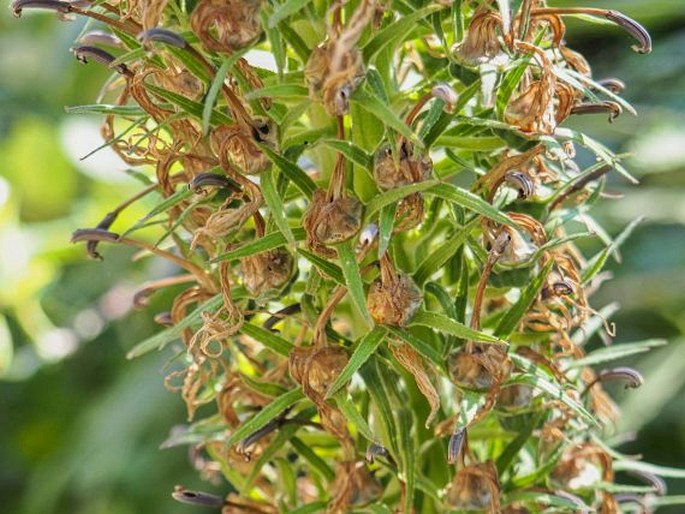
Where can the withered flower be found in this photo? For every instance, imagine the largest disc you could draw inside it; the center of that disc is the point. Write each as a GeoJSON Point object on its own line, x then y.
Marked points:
{"type": "Point", "coordinates": [238, 145]}
{"type": "Point", "coordinates": [329, 221]}
{"type": "Point", "coordinates": [475, 487]}
{"type": "Point", "coordinates": [316, 368]}
{"type": "Point", "coordinates": [334, 86]}
{"type": "Point", "coordinates": [409, 167]}
{"type": "Point", "coordinates": [226, 25]}
{"type": "Point", "coordinates": [354, 486]}
{"type": "Point", "coordinates": [394, 298]}
{"type": "Point", "coordinates": [479, 367]}
{"type": "Point", "coordinates": [266, 273]}
{"type": "Point", "coordinates": [481, 45]}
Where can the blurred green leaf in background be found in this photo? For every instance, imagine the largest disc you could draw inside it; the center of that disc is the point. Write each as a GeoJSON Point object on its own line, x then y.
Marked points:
{"type": "Point", "coordinates": [81, 425]}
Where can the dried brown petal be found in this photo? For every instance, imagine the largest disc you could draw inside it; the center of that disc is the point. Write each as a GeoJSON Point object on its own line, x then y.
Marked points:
{"type": "Point", "coordinates": [395, 301]}
{"type": "Point", "coordinates": [410, 167]}
{"type": "Point", "coordinates": [414, 364]}
{"type": "Point", "coordinates": [232, 142]}
{"type": "Point", "coordinates": [226, 25]}
{"type": "Point", "coordinates": [475, 487]}
{"type": "Point", "coordinates": [481, 43]}
{"type": "Point", "coordinates": [266, 273]}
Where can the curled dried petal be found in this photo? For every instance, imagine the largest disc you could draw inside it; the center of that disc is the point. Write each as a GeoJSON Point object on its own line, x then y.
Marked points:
{"type": "Point", "coordinates": [18, 6]}
{"type": "Point", "coordinates": [100, 37]}
{"type": "Point", "coordinates": [196, 497]}
{"type": "Point", "coordinates": [612, 108]}
{"type": "Point", "coordinates": [634, 29]}
{"type": "Point", "coordinates": [84, 53]}
{"type": "Point", "coordinates": [210, 179]}
{"type": "Point", "coordinates": [161, 35]}
{"type": "Point", "coordinates": [455, 444]}
{"type": "Point", "coordinates": [633, 377]}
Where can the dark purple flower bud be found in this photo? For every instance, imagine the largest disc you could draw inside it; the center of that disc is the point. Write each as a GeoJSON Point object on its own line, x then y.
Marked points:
{"type": "Point", "coordinates": [162, 36]}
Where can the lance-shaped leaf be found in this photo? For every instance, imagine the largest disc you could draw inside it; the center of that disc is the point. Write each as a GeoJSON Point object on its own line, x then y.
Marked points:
{"type": "Point", "coordinates": [371, 103]}
{"type": "Point", "coordinates": [469, 201]}
{"type": "Point", "coordinates": [275, 204]}
{"type": "Point", "coordinates": [268, 242]}
{"type": "Point", "coordinates": [616, 351]}
{"type": "Point", "coordinates": [267, 338]}
{"type": "Point", "coordinates": [446, 325]}
{"type": "Point", "coordinates": [363, 350]}
{"type": "Point", "coordinates": [294, 173]}
{"type": "Point", "coordinates": [264, 416]}
{"type": "Point", "coordinates": [353, 279]}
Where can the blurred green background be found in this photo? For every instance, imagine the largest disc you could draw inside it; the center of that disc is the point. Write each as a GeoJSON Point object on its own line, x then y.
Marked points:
{"type": "Point", "coordinates": [80, 426]}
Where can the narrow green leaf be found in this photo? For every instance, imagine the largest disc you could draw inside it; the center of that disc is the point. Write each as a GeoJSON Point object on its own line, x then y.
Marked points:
{"type": "Point", "coordinates": [353, 279]}
{"type": "Point", "coordinates": [296, 91]}
{"type": "Point", "coordinates": [213, 92]}
{"type": "Point", "coordinates": [363, 350]}
{"type": "Point", "coordinates": [121, 110]}
{"type": "Point", "coordinates": [329, 268]}
{"type": "Point", "coordinates": [306, 451]}
{"type": "Point", "coordinates": [437, 258]}
{"type": "Point", "coordinates": [272, 341]}
{"type": "Point", "coordinates": [637, 465]}
{"type": "Point", "coordinates": [515, 313]}
{"type": "Point", "coordinates": [349, 410]}
{"type": "Point", "coordinates": [442, 323]}
{"type": "Point", "coordinates": [353, 152]}
{"type": "Point", "coordinates": [597, 262]}
{"type": "Point", "coordinates": [405, 421]}
{"type": "Point", "coordinates": [268, 242]}
{"type": "Point", "coordinates": [264, 416]}
{"type": "Point", "coordinates": [372, 380]}
{"type": "Point", "coordinates": [275, 204]}
{"type": "Point", "coordinates": [419, 345]}
{"type": "Point", "coordinates": [470, 201]}
{"type": "Point", "coordinates": [617, 351]}
{"type": "Point", "coordinates": [291, 170]}
{"type": "Point", "coordinates": [265, 388]}
{"type": "Point", "coordinates": [284, 434]}
{"type": "Point", "coordinates": [393, 196]}
{"type": "Point", "coordinates": [396, 31]}
{"type": "Point", "coordinates": [310, 508]}
{"type": "Point", "coordinates": [474, 144]}
{"type": "Point", "coordinates": [537, 377]}
{"type": "Point", "coordinates": [374, 105]}
{"type": "Point", "coordinates": [288, 8]}
{"type": "Point", "coordinates": [190, 107]}
{"type": "Point", "coordinates": [514, 447]}
{"type": "Point", "coordinates": [161, 339]}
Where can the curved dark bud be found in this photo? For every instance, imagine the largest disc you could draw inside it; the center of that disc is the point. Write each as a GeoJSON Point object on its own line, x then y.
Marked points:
{"type": "Point", "coordinates": [93, 236]}
{"type": "Point", "coordinates": [53, 5]}
{"type": "Point", "coordinates": [455, 445]}
{"type": "Point", "coordinates": [657, 483]}
{"type": "Point", "coordinates": [164, 319]}
{"type": "Point", "coordinates": [197, 498]}
{"type": "Point", "coordinates": [377, 450]}
{"type": "Point", "coordinates": [84, 53]}
{"type": "Point", "coordinates": [614, 85]}
{"type": "Point", "coordinates": [141, 298]}
{"type": "Point", "coordinates": [209, 179]}
{"type": "Point", "coordinates": [162, 36]}
{"type": "Point", "coordinates": [634, 29]}
{"type": "Point", "coordinates": [521, 182]}
{"type": "Point", "coordinates": [612, 108]}
{"type": "Point", "coordinates": [562, 288]}
{"type": "Point", "coordinates": [254, 437]}
{"type": "Point", "coordinates": [295, 308]}
{"type": "Point", "coordinates": [100, 37]}
{"type": "Point", "coordinates": [633, 377]}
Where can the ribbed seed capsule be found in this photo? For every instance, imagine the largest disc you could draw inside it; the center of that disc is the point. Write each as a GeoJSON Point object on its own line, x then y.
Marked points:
{"type": "Point", "coordinates": [409, 168]}
{"type": "Point", "coordinates": [475, 487]}
{"type": "Point", "coordinates": [394, 298]}
{"type": "Point", "coordinates": [265, 274]}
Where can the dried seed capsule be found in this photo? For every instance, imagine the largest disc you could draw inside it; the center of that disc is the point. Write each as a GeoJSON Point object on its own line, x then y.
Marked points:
{"type": "Point", "coordinates": [265, 274]}
{"type": "Point", "coordinates": [394, 298]}
{"type": "Point", "coordinates": [409, 168]}
{"type": "Point", "coordinates": [334, 86]}
{"type": "Point", "coordinates": [409, 213]}
{"type": "Point", "coordinates": [515, 397]}
{"type": "Point", "coordinates": [481, 44]}
{"type": "Point", "coordinates": [475, 487]}
{"type": "Point", "coordinates": [324, 367]}
{"type": "Point", "coordinates": [354, 485]}
{"type": "Point", "coordinates": [240, 147]}
{"type": "Point", "coordinates": [479, 368]}
{"type": "Point", "coordinates": [226, 25]}
{"type": "Point", "coordinates": [333, 221]}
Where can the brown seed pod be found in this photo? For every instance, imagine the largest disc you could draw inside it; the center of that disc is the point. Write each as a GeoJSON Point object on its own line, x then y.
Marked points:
{"type": "Point", "coordinates": [409, 168]}
{"type": "Point", "coordinates": [316, 368]}
{"type": "Point", "coordinates": [481, 44]}
{"type": "Point", "coordinates": [226, 25]}
{"type": "Point", "coordinates": [354, 485]}
{"type": "Point", "coordinates": [479, 367]}
{"type": "Point", "coordinates": [475, 487]}
{"type": "Point", "coordinates": [266, 273]}
{"type": "Point", "coordinates": [239, 146]}
{"type": "Point", "coordinates": [334, 86]}
{"type": "Point", "coordinates": [331, 221]}
{"type": "Point", "coordinates": [394, 298]}
{"type": "Point", "coordinates": [409, 214]}
{"type": "Point", "coordinates": [515, 397]}
{"type": "Point", "coordinates": [582, 466]}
